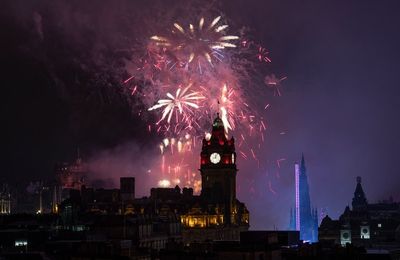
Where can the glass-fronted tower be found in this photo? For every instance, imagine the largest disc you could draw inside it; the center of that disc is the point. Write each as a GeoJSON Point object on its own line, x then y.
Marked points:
{"type": "Point", "coordinates": [303, 218]}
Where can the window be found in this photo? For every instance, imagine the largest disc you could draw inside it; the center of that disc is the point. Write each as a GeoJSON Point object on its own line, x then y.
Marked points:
{"type": "Point", "coordinates": [21, 242]}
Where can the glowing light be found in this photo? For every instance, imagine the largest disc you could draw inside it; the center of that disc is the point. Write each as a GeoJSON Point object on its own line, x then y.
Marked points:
{"type": "Point", "coordinates": [224, 108]}
{"type": "Point", "coordinates": [164, 183]}
{"type": "Point", "coordinates": [297, 183]}
{"type": "Point", "coordinates": [166, 142]}
{"type": "Point", "coordinates": [180, 146]}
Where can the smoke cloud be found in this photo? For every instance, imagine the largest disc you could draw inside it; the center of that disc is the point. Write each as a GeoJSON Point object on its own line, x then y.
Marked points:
{"type": "Point", "coordinates": [125, 160]}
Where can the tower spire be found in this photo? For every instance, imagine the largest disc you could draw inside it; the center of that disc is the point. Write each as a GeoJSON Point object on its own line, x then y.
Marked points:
{"type": "Point", "coordinates": [359, 200]}
{"type": "Point", "coordinates": [306, 212]}
{"type": "Point", "coordinates": [218, 108]}
{"type": "Point", "coordinates": [302, 165]}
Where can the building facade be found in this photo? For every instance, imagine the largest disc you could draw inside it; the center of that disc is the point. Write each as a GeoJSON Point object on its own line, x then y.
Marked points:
{"type": "Point", "coordinates": [216, 214]}
{"type": "Point", "coordinates": [365, 224]}
{"type": "Point", "coordinates": [5, 203]}
{"type": "Point", "coordinates": [69, 176]}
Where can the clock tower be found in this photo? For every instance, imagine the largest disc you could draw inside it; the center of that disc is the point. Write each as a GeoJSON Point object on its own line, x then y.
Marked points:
{"type": "Point", "coordinates": [216, 214]}
{"type": "Point", "coordinates": [218, 171]}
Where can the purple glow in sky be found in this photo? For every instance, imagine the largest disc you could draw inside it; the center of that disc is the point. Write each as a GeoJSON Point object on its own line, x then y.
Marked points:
{"type": "Point", "coordinates": [339, 103]}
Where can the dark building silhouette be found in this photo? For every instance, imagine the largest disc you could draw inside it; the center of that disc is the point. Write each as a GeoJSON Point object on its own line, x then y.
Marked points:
{"type": "Point", "coordinates": [127, 185]}
{"type": "Point", "coordinates": [303, 218]}
{"type": "Point", "coordinates": [86, 221]}
{"type": "Point", "coordinates": [215, 214]}
{"type": "Point", "coordinates": [370, 225]}
{"type": "Point", "coordinates": [359, 201]}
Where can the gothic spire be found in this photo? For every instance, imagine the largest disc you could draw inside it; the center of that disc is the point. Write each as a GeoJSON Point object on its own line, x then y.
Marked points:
{"type": "Point", "coordinates": [359, 200]}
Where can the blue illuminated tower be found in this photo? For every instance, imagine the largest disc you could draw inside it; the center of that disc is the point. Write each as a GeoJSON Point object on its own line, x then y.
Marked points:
{"type": "Point", "coordinates": [304, 218]}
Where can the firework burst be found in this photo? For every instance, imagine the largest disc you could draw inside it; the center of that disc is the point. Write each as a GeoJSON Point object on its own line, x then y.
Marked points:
{"type": "Point", "coordinates": [197, 44]}
{"type": "Point", "coordinates": [226, 76]}
{"type": "Point", "coordinates": [183, 102]}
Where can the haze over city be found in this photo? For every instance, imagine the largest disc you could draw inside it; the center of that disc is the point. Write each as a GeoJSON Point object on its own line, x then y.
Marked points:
{"type": "Point", "coordinates": [65, 66]}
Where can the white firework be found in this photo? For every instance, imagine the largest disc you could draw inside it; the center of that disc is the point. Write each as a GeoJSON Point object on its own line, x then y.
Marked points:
{"type": "Point", "coordinates": [182, 103]}
{"type": "Point", "coordinates": [194, 42]}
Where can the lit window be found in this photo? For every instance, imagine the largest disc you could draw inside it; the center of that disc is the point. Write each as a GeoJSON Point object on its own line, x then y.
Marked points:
{"type": "Point", "coordinates": [21, 243]}
{"type": "Point", "coordinates": [379, 225]}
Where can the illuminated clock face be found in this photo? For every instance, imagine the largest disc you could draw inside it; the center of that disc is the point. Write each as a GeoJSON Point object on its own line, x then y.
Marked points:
{"type": "Point", "coordinates": [215, 158]}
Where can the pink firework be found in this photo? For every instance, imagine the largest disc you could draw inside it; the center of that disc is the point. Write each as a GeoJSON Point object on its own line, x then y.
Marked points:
{"type": "Point", "coordinates": [275, 83]}
{"type": "Point", "coordinates": [184, 77]}
{"type": "Point", "coordinates": [262, 55]}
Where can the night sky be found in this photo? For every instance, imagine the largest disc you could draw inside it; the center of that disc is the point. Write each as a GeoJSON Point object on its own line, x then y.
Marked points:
{"type": "Point", "coordinates": [339, 105]}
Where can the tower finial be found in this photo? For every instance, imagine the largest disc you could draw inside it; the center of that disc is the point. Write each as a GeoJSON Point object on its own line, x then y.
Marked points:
{"type": "Point", "coordinates": [303, 164]}
{"type": "Point", "coordinates": [358, 179]}
{"type": "Point", "coordinates": [218, 108]}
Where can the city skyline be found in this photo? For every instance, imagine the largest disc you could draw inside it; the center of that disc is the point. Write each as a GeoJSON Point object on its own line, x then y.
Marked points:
{"type": "Point", "coordinates": [338, 104]}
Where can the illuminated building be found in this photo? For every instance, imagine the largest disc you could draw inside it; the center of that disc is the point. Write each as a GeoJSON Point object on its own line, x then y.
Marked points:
{"type": "Point", "coordinates": [71, 176]}
{"type": "Point", "coordinates": [5, 203]}
{"type": "Point", "coordinates": [216, 214]}
{"type": "Point", "coordinates": [303, 218]}
{"type": "Point", "coordinates": [68, 177]}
